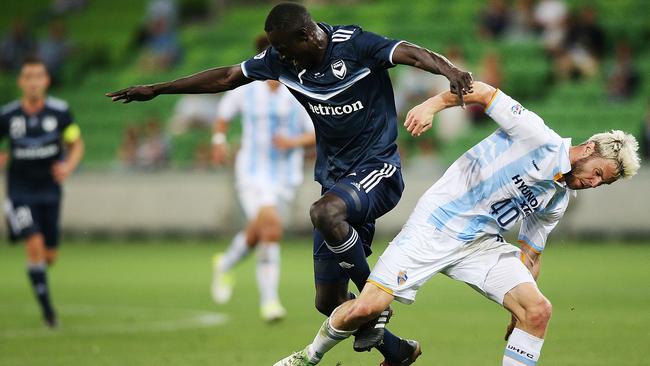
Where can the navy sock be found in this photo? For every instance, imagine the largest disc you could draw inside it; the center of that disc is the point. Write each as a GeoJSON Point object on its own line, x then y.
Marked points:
{"type": "Point", "coordinates": [38, 278]}
{"type": "Point", "coordinates": [352, 258]}
{"type": "Point", "coordinates": [390, 347]}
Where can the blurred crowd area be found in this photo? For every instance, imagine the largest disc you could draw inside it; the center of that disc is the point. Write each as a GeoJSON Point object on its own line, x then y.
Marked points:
{"type": "Point", "coordinates": [549, 46]}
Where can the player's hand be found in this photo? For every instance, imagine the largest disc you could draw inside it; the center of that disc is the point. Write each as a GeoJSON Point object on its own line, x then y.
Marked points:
{"type": "Point", "coordinates": [510, 328]}
{"type": "Point", "coordinates": [283, 142]}
{"type": "Point", "coordinates": [419, 119]}
{"type": "Point", "coordinates": [60, 171]}
{"type": "Point", "coordinates": [4, 159]}
{"type": "Point", "coordinates": [219, 154]}
{"type": "Point", "coordinates": [140, 93]}
{"type": "Point", "coordinates": [460, 83]}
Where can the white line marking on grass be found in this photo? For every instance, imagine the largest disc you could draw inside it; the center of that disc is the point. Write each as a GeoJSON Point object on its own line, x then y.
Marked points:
{"type": "Point", "coordinates": [139, 320]}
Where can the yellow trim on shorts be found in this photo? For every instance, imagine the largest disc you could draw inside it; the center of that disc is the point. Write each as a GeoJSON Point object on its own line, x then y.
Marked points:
{"type": "Point", "coordinates": [382, 287]}
{"type": "Point", "coordinates": [71, 133]}
{"type": "Point", "coordinates": [494, 95]}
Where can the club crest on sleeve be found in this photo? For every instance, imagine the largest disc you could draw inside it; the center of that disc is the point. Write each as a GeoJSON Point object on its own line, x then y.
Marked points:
{"type": "Point", "coordinates": [517, 110]}
{"type": "Point", "coordinates": [401, 278]}
{"type": "Point", "coordinates": [339, 69]}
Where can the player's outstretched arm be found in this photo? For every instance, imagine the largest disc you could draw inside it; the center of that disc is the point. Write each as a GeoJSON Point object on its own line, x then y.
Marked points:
{"type": "Point", "coordinates": [209, 81]}
{"type": "Point", "coordinates": [420, 118]}
{"type": "Point", "coordinates": [409, 54]}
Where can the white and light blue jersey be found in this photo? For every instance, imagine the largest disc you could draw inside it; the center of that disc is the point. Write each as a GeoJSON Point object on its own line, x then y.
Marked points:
{"type": "Point", "coordinates": [265, 114]}
{"type": "Point", "coordinates": [510, 176]}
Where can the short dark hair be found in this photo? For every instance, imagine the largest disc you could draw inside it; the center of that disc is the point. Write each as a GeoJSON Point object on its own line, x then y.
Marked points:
{"type": "Point", "coordinates": [32, 60]}
{"type": "Point", "coordinates": [287, 17]}
{"type": "Point", "coordinates": [261, 43]}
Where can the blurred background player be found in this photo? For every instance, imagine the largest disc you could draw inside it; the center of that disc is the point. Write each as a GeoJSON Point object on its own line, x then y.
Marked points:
{"type": "Point", "coordinates": [268, 170]}
{"type": "Point", "coordinates": [45, 148]}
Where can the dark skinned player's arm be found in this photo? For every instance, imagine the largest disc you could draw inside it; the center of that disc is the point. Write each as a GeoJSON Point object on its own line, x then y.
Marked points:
{"type": "Point", "coordinates": [215, 80]}
{"type": "Point", "coordinates": [422, 58]}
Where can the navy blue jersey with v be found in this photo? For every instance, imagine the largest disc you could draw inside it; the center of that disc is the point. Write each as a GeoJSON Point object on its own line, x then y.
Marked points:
{"type": "Point", "coordinates": [36, 142]}
{"type": "Point", "coordinates": [349, 98]}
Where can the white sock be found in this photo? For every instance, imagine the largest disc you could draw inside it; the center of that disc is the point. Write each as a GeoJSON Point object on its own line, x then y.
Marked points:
{"type": "Point", "coordinates": [268, 271]}
{"type": "Point", "coordinates": [523, 349]}
{"type": "Point", "coordinates": [237, 251]}
{"type": "Point", "coordinates": [326, 338]}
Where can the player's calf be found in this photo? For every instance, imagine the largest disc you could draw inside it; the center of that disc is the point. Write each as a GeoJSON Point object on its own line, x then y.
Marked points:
{"type": "Point", "coordinates": [329, 296]}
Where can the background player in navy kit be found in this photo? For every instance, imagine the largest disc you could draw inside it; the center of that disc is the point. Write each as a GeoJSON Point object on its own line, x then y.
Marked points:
{"type": "Point", "coordinates": [45, 148]}
{"type": "Point", "coordinates": [338, 73]}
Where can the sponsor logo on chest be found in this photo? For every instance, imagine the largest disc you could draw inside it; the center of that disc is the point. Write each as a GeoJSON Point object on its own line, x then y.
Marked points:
{"type": "Point", "coordinates": [339, 110]}
{"type": "Point", "coordinates": [531, 202]}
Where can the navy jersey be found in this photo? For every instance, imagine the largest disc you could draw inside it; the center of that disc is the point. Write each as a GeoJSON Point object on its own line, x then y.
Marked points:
{"type": "Point", "coordinates": [35, 143]}
{"type": "Point", "coordinates": [349, 98]}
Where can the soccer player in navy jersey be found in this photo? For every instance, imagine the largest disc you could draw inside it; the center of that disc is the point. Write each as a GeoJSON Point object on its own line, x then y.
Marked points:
{"type": "Point", "coordinates": [45, 148]}
{"type": "Point", "coordinates": [339, 75]}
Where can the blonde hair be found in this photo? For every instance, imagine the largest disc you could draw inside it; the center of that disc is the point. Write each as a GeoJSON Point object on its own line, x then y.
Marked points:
{"type": "Point", "coordinates": [621, 147]}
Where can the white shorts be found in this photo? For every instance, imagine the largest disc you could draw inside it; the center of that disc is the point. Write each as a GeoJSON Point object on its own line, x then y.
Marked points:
{"type": "Point", "coordinates": [489, 265]}
{"type": "Point", "coordinates": [254, 196]}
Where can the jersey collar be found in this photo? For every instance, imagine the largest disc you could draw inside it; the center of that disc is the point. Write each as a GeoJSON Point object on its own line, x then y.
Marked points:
{"type": "Point", "coordinates": [564, 164]}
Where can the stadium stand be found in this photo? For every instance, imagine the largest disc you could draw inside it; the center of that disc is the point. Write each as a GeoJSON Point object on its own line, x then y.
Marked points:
{"type": "Point", "coordinates": [104, 31]}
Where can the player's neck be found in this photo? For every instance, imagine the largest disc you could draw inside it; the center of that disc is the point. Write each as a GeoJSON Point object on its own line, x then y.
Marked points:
{"type": "Point", "coordinates": [33, 105]}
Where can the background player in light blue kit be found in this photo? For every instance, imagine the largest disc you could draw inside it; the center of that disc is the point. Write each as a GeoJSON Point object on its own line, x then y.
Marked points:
{"type": "Point", "coordinates": [268, 170]}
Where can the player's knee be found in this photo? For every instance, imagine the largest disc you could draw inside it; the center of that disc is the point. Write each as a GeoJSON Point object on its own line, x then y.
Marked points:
{"type": "Point", "coordinates": [364, 311]}
{"type": "Point", "coordinates": [326, 214]}
{"type": "Point", "coordinates": [50, 257]}
{"type": "Point", "coordinates": [272, 232]}
{"type": "Point", "coordinates": [539, 314]}
{"type": "Point", "coordinates": [326, 304]}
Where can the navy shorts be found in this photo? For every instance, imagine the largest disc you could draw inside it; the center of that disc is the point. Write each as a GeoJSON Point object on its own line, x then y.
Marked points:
{"type": "Point", "coordinates": [26, 219]}
{"type": "Point", "coordinates": [369, 194]}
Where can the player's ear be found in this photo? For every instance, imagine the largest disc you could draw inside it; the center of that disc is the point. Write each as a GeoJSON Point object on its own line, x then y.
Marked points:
{"type": "Point", "coordinates": [590, 147]}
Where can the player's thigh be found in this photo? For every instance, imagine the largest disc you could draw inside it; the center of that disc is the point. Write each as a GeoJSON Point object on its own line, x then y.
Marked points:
{"type": "Point", "coordinates": [285, 196]}
{"type": "Point", "coordinates": [369, 193]}
{"type": "Point", "coordinates": [253, 196]}
{"type": "Point", "coordinates": [22, 219]}
{"type": "Point", "coordinates": [492, 272]}
{"type": "Point", "coordinates": [523, 298]}
{"type": "Point", "coordinates": [416, 254]}
{"type": "Point", "coordinates": [49, 218]}
{"type": "Point", "coordinates": [385, 192]}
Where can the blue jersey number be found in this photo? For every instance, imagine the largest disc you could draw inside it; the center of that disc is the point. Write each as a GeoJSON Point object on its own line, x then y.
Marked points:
{"type": "Point", "coordinates": [505, 211]}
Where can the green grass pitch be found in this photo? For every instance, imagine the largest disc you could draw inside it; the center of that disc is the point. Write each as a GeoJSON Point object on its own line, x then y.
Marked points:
{"type": "Point", "coordinates": [148, 304]}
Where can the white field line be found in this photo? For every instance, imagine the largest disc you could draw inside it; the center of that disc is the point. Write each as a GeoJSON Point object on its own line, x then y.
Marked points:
{"type": "Point", "coordinates": [165, 320]}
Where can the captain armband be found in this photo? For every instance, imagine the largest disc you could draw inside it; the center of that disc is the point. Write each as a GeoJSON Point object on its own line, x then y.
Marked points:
{"type": "Point", "coordinates": [72, 133]}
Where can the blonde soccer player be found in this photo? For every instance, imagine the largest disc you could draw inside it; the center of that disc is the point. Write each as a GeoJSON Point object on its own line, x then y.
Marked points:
{"type": "Point", "coordinates": [523, 172]}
